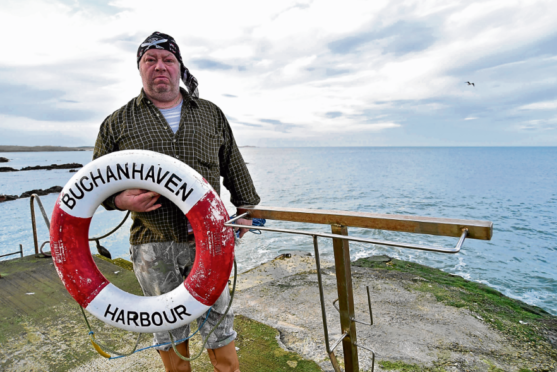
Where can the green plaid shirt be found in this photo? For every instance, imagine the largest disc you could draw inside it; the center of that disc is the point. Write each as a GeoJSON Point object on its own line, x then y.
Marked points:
{"type": "Point", "coordinates": [204, 141]}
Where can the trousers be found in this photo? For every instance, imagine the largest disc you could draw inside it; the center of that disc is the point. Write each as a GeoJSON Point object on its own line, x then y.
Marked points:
{"type": "Point", "coordinates": [161, 267]}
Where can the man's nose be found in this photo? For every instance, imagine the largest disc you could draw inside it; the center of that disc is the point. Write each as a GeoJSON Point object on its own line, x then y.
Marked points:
{"type": "Point", "coordinates": [160, 66]}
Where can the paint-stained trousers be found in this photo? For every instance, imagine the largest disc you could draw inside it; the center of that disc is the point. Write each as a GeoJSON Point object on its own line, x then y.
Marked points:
{"type": "Point", "coordinates": [161, 267]}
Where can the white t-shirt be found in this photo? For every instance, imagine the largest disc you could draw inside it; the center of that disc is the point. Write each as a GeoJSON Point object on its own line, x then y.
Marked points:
{"type": "Point", "coordinates": [172, 116]}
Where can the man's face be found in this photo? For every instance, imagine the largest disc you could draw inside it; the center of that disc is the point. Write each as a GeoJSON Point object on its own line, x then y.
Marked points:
{"type": "Point", "coordinates": [160, 73]}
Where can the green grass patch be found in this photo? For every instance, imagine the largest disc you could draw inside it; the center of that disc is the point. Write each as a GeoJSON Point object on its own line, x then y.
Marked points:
{"type": "Point", "coordinates": [258, 351]}
{"type": "Point", "coordinates": [120, 262]}
{"type": "Point", "coordinates": [406, 367]}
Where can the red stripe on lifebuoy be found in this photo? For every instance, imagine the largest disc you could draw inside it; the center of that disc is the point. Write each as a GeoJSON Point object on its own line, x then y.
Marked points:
{"type": "Point", "coordinates": [74, 263]}
{"type": "Point", "coordinates": [214, 253]}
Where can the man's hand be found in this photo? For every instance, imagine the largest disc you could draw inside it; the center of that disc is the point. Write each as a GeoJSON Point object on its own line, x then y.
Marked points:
{"type": "Point", "coordinates": [242, 221]}
{"type": "Point", "coordinates": [137, 200]}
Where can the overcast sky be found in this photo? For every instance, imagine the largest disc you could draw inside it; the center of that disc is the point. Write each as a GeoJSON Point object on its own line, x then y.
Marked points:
{"type": "Point", "coordinates": [292, 73]}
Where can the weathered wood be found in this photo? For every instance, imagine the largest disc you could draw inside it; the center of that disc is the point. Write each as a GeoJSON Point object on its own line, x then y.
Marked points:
{"type": "Point", "coordinates": [482, 230]}
{"type": "Point", "coordinates": [345, 292]}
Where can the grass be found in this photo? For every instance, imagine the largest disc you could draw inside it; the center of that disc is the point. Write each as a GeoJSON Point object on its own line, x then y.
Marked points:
{"type": "Point", "coordinates": [406, 367]}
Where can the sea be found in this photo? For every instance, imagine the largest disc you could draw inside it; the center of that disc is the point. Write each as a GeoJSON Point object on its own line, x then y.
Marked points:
{"type": "Point", "coordinates": [514, 187]}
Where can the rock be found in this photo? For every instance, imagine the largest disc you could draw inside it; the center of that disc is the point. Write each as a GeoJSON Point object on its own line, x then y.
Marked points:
{"type": "Point", "coordinates": [381, 258]}
{"type": "Point", "coordinates": [4, 160]}
{"type": "Point", "coordinates": [412, 328]}
{"type": "Point", "coordinates": [53, 166]}
{"type": "Point", "coordinates": [53, 189]}
{"type": "Point", "coordinates": [4, 198]}
{"type": "Point", "coordinates": [8, 169]}
{"type": "Point", "coordinates": [73, 170]}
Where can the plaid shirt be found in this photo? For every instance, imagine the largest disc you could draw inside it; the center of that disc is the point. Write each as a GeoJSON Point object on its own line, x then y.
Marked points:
{"type": "Point", "coordinates": [204, 141]}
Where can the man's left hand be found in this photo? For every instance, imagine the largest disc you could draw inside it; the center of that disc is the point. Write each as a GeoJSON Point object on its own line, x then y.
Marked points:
{"type": "Point", "coordinates": [243, 221]}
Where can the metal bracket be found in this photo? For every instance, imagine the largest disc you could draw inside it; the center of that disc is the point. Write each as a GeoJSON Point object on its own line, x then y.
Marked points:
{"type": "Point", "coordinates": [419, 247]}
{"type": "Point", "coordinates": [369, 306]}
{"type": "Point", "coordinates": [330, 350]}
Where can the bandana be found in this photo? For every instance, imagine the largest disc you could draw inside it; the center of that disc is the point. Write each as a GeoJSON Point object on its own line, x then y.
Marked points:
{"type": "Point", "coordinates": [163, 41]}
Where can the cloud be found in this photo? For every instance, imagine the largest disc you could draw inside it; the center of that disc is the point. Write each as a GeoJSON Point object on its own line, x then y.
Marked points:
{"type": "Point", "coordinates": [41, 138]}
{"type": "Point", "coordinates": [128, 43]}
{"type": "Point", "coordinates": [546, 105]}
{"type": "Point", "coordinates": [208, 64]}
{"type": "Point", "coordinates": [386, 73]}
{"type": "Point", "coordinates": [399, 38]}
{"type": "Point", "coordinates": [103, 7]}
{"type": "Point", "coordinates": [278, 125]}
{"type": "Point", "coordinates": [333, 114]}
{"type": "Point", "coordinates": [539, 125]}
{"type": "Point", "coordinates": [29, 102]}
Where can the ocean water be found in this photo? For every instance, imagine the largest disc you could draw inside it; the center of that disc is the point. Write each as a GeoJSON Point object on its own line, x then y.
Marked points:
{"type": "Point", "coordinates": [515, 188]}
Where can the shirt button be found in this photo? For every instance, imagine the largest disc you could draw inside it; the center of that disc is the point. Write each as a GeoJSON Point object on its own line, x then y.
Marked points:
{"type": "Point", "coordinates": [174, 140]}
{"type": "Point", "coordinates": [157, 114]}
{"type": "Point", "coordinates": [177, 157]}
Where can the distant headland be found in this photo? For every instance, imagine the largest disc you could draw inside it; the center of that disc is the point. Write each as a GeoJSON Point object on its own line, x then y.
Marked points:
{"type": "Point", "coordinates": [43, 148]}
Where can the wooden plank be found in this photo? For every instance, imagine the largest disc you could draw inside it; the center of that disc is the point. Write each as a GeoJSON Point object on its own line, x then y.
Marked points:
{"type": "Point", "coordinates": [482, 230]}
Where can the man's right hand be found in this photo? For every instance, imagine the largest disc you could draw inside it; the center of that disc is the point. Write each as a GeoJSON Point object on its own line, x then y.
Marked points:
{"type": "Point", "coordinates": [137, 200]}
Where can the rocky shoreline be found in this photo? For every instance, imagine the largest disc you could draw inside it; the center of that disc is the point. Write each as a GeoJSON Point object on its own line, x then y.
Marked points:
{"type": "Point", "coordinates": [26, 194]}
{"type": "Point", "coordinates": [43, 167]}
{"type": "Point", "coordinates": [5, 148]}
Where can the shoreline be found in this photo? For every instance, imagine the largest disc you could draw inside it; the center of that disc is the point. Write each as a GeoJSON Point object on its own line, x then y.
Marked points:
{"type": "Point", "coordinates": [5, 148]}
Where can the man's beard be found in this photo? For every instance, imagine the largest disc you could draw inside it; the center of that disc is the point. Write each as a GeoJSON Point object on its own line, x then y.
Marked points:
{"type": "Point", "coordinates": [164, 92]}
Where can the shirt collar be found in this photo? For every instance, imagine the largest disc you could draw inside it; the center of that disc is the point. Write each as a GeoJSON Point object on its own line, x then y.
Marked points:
{"type": "Point", "coordinates": [185, 95]}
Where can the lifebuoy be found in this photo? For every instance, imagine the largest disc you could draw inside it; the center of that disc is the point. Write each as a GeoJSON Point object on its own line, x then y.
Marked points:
{"type": "Point", "coordinates": [172, 179]}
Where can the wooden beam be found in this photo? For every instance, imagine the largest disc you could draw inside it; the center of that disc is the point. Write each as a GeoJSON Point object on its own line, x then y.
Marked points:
{"type": "Point", "coordinates": [482, 230]}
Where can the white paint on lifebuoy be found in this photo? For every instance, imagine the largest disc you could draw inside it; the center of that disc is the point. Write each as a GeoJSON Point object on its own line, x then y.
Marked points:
{"type": "Point", "coordinates": [179, 183]}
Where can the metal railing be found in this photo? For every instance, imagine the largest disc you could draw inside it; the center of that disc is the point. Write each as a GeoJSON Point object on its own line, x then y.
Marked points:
{"type": "Point", "coordinates": [38, 251]}
{"type": "Point", "coordinates": [20, 252]}
{"type": "Point", "coordinates": [340, 221]}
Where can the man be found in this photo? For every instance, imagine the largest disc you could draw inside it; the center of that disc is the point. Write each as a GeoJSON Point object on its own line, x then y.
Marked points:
{"type": "Point", "coordinates": [172, 121]}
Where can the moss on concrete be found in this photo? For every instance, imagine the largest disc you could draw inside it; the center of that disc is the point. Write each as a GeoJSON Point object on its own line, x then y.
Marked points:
{"type": "Point", "coordinates": [258, 350]}
{"type": "Point", "coordinates": [120, 262]}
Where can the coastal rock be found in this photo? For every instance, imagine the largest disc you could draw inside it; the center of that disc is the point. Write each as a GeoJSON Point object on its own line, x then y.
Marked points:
{"type": "Point", "coordinates": [8, 169]}
{"type": "Point", "coordinates": [4, 198]}
{"type": "Point", "coordinates": [53, 189]}
{"type": "Point", "coordinates": [53, 166]}
{"type": "Point", "coordinates": [4, 160]}
{"type": "Point", "coordinates": [70, 166]}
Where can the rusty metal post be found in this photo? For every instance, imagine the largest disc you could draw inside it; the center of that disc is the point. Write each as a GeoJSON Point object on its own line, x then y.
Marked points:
{"type": "Point", "coordinates": [345, 298]}
{"type": "Point", "coordinates": [34, 224]}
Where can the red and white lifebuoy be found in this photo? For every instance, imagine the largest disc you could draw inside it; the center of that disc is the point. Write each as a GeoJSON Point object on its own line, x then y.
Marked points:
{"type": "Point", "coordinates": [183, 186]}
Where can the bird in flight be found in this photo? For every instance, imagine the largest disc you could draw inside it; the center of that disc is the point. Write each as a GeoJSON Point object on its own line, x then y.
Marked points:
{"type": "Point", "coordinates": [472, 84]}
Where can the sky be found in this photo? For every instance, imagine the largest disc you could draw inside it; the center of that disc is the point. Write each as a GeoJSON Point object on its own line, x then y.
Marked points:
{"type": "Point", "coordinates": [292, 73]}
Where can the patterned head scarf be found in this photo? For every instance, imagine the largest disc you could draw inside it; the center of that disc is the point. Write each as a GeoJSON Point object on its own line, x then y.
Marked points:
{"type": "Point", "coordinates": [163, 41]}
